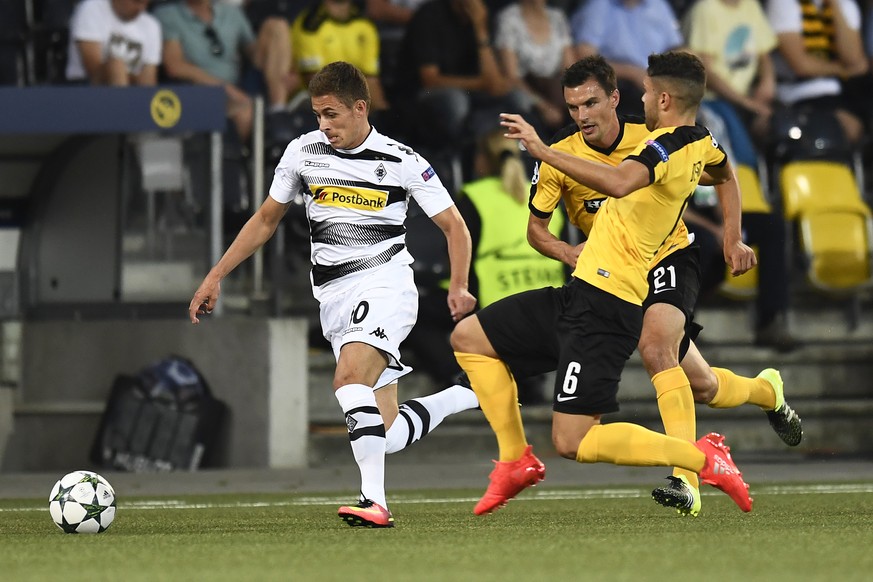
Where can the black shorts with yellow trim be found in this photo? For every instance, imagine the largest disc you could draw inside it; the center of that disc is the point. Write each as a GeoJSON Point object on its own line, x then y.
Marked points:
{"type": "Point", "coordinates": [583, 333]}
{"type": "Point", "coordinates": [676, 281]}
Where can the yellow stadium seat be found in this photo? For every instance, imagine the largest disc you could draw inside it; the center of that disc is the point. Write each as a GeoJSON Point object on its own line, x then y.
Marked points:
{"type": "Point", "coordinates": [750, 186]}
{"type": "Point", "coordinates": [835, 224]}
{"type": "Point", "coordinates": [816, 186]}
{"type": "Point", "coordinates": [839, 246]}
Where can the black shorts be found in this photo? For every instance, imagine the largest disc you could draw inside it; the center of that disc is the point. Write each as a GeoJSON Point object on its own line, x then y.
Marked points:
{"type": "Point", "coordinates": [583, 333]}
{"type": "Point", "coordinates": [676, 281]}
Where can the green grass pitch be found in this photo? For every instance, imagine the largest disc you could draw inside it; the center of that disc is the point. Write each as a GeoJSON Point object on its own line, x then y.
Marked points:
{"type": "Point", "coordinates": [796, 532]}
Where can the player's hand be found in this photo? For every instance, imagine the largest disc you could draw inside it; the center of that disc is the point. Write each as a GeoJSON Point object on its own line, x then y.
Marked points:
{"type": "Point", "coordinates": [461, 302]}
{"type": "Point", "coordinates": [573, 254]}
{"type": "Point", "coordinates": [204, 300]}
{"type": "Point", "coordinates": [739, 257]}
{"type": "Point", "coordinates": [518, 128]}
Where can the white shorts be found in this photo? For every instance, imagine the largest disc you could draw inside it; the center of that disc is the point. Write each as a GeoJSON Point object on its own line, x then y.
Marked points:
{"type": "Point", "coordinates": [377, 308]}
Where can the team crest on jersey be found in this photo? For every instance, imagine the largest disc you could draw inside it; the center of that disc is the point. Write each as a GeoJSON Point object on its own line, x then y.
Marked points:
{"type": "Point", "coordinates": [428, 173]}
{"type": "Point", "coordinates": [345, 197]}
{"type": "Point", "coordinates": [662, 151]}
{"type": "Point", "coordinates": [380, 172]}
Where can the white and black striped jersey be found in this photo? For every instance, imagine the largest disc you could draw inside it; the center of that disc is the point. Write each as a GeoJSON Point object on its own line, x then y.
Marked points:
{"type": "Point", "coordinates": [356, 200]}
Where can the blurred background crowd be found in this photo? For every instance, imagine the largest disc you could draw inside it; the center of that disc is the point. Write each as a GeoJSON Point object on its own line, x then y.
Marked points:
{"type": "Point", "coordinates": [788, 81]}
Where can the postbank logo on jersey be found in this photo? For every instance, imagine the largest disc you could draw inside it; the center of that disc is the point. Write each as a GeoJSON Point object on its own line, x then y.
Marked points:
{"type": "Point", "coordinates": [347, 197]}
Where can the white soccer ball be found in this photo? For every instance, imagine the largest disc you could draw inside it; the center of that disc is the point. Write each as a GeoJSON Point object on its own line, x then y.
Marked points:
{"type": "Point", "coordinates": [82, 502]}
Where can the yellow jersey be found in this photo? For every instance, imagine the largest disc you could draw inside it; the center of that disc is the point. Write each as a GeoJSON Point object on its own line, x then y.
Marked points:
{"type": "Point", "coordinates": [632, 233]}
{"type": "Point", "coordinates": [550, 186]}
{"type": "Point", "coordinates": [318, 40]}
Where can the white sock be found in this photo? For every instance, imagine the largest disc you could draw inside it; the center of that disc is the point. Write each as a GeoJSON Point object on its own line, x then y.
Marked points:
{"type": "Point", "coordinates": [419, 416]}
{"type": "Point", "coordinates": [367, 437]}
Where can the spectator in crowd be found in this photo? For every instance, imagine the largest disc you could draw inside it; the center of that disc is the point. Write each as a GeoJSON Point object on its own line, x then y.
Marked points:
{"type": "Point", "coordinates": [392, 16]}
{"type": "Point", "coordinates": [450, 82]}
{"type": "Point", "coordinates": [626, 32]}
{"type": "Point", "coordinates": [494, 206]}
{"type": "Point", "coordinates": [733, 39]}
{"type": "Point", "coordinates": [206, 43]}
{"type": "Point", "coordinates": [114, 42]}
{"type": "Point", "coordinates": [534, 45]}
{"type": "Point", "coordinates": [820, 61]}
{"type": "Point", "coordinates": [335, 30]}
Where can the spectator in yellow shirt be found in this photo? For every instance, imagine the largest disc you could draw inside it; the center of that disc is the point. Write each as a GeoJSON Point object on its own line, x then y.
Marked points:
{"type": "Point", "coordinates": [335, 30]}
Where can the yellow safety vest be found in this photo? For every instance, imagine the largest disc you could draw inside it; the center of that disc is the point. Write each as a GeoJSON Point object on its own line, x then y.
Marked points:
{"type": "Point", "coordinates": [505, 263]}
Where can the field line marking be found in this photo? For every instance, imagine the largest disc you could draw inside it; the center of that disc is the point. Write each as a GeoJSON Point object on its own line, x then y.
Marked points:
{"type": "Point", "coordinates": [541, 495]}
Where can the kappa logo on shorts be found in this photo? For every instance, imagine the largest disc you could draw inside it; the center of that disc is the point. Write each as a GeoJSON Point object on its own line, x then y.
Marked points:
{"type": "Point", "coordinates": [379, 333]}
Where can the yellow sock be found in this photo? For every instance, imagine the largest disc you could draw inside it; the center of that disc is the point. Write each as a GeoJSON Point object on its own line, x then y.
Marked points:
{"type": "Point", "coordinates": [623, 443]}
{"type": "Point", "coordinates": [736, 390]}
{"type": "Point", "coordinates": [676, 405]}
{"type": "Point", "coordinates": [498, 398]}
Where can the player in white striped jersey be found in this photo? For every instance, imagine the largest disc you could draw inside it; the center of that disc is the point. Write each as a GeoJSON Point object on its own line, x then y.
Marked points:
{"type": "Point", "coordinates": [356, 183]}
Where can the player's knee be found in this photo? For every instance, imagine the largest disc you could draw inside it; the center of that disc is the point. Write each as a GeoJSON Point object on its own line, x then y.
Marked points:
{"type": "Point", "coordinates": [566, 446]}
{"type": "Point", "coordinates": [464, 337]}
{"type": "Point", "coordinates": [704, 386]}
{"type": "Point", "coordinates": [657, 355]}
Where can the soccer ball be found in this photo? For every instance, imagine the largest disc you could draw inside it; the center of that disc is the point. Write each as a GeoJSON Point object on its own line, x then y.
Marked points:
{"type": "Point", "coordinates": [82, 502]}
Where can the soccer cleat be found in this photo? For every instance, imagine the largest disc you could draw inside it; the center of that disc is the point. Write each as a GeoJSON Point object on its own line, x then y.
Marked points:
{"type": "Point", "coordinates": [508, 479]}
{"type": "Point", "coordinates": [721, 472]}
{"type": "Point", "coordinates": [783, 419]}
{"type": "Point", "coordinates": [679, 494]}
{"type": "Point", "coordinates": [366, 514]}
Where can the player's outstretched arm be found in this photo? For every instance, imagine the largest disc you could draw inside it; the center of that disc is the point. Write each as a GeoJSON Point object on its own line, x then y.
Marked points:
{"type": "Point", "coordinates": [739, 256]}
{"type": "Point", "coordinates": [461, 302]}
{"type": "Point", "coordinates": [616, 182]}
{"type": "Point", "coordinates": [254, 233]}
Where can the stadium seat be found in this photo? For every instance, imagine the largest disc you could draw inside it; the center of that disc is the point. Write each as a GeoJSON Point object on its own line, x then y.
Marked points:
{"type": "Point", "coordinates": [750, 186]}
{"type": "Point", "coordinates": [834, 222]}
{"type": "Point", "coordinates": [816, 173]}
{"type": "Point", "coordinates": [818, 185]}
{"type": "Point", "coordinates": [839, 248]}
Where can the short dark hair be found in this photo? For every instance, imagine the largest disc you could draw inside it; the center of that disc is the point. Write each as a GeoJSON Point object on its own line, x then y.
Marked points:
{"type": "Point", "coordinates": [685, 73]}
{"type": "Point", "coordinates": [344, 81]}
{"type": "Point", "coordinates": [593, 67]}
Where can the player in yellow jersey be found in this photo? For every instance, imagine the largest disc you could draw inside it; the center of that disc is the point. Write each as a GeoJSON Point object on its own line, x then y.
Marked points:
{"type": "Point", "coordinates": [592, 325]}
{"type": "Point", "coordinates": [599, 134]}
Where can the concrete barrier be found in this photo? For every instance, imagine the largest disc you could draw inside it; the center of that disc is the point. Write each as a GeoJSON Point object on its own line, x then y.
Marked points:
{"type": "Point", "coordinates": [258, 366]}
